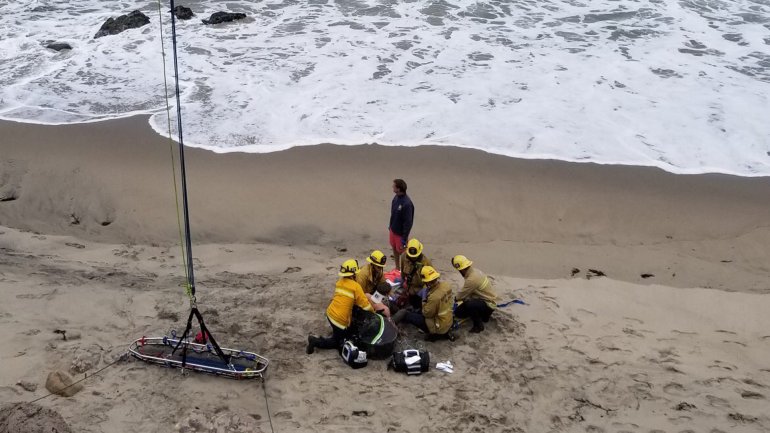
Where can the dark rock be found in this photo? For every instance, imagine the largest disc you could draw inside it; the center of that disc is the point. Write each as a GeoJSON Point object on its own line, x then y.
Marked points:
{"type": "Point", "coordinates": [59, 46]}
{"type": "Point", "coordinates": [183, 13]}
{"type": "Point", "coordinates": [647, 275]}
{"type": "Point", "coordinates": [575, 271]}
{"type": "Point", "coordinates": [38, 9]}
{"type": "Point", "coordinates": [596, 273]}
{"type": "Point", "coordinates": [113, 26]}
{"type": "Point", "coordinates": [224, 17]}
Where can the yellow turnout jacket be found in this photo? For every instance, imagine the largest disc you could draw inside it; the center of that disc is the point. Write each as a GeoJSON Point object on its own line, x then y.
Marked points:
{"type": "Point", "coordinates": [347, 294]}
{"type": "Point", "coordinates": [437, 308]}
{"type": "Point", "coordinates": [364, 277]}
{"type": "Point", "coordinates": [477, 285]}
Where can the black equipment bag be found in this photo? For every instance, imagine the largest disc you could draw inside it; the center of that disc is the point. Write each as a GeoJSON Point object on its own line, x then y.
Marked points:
{"type": "Point", "coordinates": [374, 334]}
{"type": "Point", "coordinates": [411, 361]}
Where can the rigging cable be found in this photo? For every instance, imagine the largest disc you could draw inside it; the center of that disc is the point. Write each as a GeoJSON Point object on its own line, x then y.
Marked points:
{"type": "Point", "coordinates": [171, 146]}
{"type": "Point", "coordinates": [188, 242]}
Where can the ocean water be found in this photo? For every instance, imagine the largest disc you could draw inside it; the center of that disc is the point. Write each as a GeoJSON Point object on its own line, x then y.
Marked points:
{"type": "Point", "coordinates": [682, 85]}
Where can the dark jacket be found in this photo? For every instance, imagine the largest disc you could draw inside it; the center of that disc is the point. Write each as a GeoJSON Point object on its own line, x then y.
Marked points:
{"type": "Point", "coordinates": [401, 215]}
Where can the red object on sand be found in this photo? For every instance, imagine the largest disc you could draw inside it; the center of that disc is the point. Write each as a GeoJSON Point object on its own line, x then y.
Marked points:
{"type": "Point", "coordinates": [199, 338]}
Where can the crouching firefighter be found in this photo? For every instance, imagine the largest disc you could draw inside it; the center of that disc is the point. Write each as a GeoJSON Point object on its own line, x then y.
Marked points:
{"type": "Point", "coordinates": [435, 318]}
{"type": "Point", "coordinates": [477, 299]}
{"type": "Point", "coordinates": [347, 295]}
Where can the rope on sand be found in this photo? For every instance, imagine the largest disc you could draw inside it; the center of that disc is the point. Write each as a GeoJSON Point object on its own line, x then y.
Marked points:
{"type": "Point", "coordinates": [119, 359]}
{"type": "Point", "coordinates": [267, 405]}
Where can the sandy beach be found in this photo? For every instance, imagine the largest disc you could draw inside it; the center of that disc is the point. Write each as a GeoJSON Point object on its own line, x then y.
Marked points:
{"type": "Point", "coordinates": [675, 337]}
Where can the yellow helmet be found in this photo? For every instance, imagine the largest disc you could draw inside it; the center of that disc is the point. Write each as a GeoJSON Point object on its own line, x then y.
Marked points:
{"type": "Point", "coordinates": [429, 274]}
{"type": "Point", "coordinates": [377, 258]}
{"type": "Point", "coordinates": [461, 262]}
{"type": "Point", "coordinates": [349, 268]}
{"type": "Point", "coordinates": [413, 248]}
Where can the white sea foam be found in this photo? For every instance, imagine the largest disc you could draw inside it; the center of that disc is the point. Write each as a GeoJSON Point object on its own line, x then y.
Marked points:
{"type": "Point", "coordinates": [679, 85]}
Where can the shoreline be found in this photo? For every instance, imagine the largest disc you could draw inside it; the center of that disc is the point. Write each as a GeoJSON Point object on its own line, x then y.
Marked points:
{"type": "Point", "coordinates": [237, 150]}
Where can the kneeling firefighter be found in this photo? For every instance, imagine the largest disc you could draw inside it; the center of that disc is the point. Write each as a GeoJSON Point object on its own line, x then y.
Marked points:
{"type": "Point", "coordinates": [347, 294]}
{"type": "Point", "coordinates": [372, 279]}
{"type": "Point", "coordinates": [435, 317]}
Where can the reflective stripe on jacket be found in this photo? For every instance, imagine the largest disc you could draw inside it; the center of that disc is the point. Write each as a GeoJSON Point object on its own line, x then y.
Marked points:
{"type": "Point", "coordinates": [347, 293]}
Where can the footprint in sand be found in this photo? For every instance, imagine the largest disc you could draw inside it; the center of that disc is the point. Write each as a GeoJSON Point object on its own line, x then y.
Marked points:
{"type": "Point", "coordinates": [586, 312]}
{"type": "Point", "coordinates": [674, 388]}
{"type": "Point", "coordinates": [734, 342]}
{"type": "Point", "coordinates": [723, 331]}
{"type": "Point", "coordinates": [634, 319]}
{"type": "Point", "coordinates": [752, 395]}
{"type": "Point", "coordinates": [753, 382]}
{"type": "Point", "coordinates": [633, 332]}
{"type": "Point", "coordinates": [551, 302]}
{"type": "Point", "coordinates": [715, 401]}
{"type": "Point", "coordinates": [681, 419]}
{"type": "Point", "coordinates": [676, 331]}
{"type": "Point", "coordinates": [667, 354]}
{"type": "Point", "coordinates": [723, 365]}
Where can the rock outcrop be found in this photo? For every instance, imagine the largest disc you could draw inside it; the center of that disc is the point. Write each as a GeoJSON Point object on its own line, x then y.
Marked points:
{"type": "Point", "coordinates": [183, 13]}
{"type": "Point", "coordinates": [58, 46]}
{"type": "Point", "coordinates": [224, 17]}
{"type": "Point", "coordinates": [113, 26]}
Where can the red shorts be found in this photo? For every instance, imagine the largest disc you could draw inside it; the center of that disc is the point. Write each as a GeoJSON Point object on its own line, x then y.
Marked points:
{"type": "Point", "coordinates": [396, 242]}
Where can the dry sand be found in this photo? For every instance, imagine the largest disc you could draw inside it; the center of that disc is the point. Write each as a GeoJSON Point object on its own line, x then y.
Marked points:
{"type": "Point", "coordinates": [88, 243]}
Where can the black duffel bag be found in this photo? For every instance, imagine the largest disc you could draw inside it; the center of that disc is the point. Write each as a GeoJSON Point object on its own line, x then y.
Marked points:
{"type": "Point", "coordinates": [411, 361]}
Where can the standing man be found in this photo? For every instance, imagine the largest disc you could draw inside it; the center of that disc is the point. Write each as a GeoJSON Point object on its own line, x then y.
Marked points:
{"type": "Point", "coordinates": [401, 219]}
